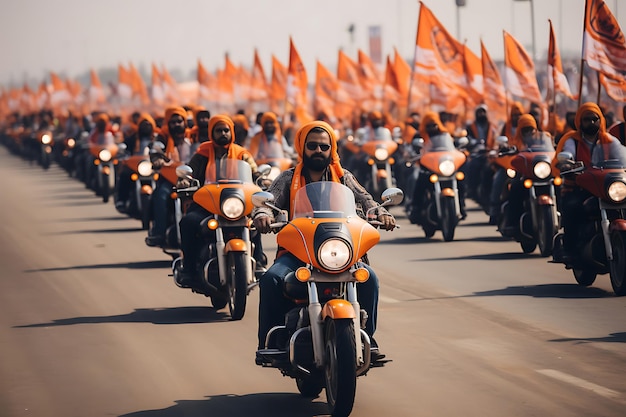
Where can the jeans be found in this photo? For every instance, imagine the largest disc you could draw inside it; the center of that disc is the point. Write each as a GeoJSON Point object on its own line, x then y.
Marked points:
{"type": "Point", "coordinates": [273, 305]}
{"type": "Point", "coordinates": [160, 200]}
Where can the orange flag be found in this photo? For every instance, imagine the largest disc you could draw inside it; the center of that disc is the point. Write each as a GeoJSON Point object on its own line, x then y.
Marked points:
{"type": "Point", "coordinates": [474, 73]}
{"type": "Point", "coordinates": [326, 86]}
{"type": "Point", "coordinates": [371, 79]}
{"type": "Point", "coordinates": [96, 92]}
{"type": "Point", "coordinates": [258, 83]}
{"type": "Point", "coordinates": [348, 98]}
{"type": "Point", "coordinates": [604, 46]}
{"type": "Point", "coordinates": [278, 86]}
{"type": "Point", "coordinates": [297, 85]}
{"type": "Point", "coordinates": [555, 67]}
{"type": "Point", "coordinates": [156, 87]}
{"type": "Point", "coordinates": [124, 83]}
{"type": "Point", "coordinates": [519, 71]}
{"type": "Point", "coordinates": [391, 88]}
{"type": "Point", "coordinates": [439, 60]}
{"type": "Point", "coordinates": [207, 83]}
{"type": "Point", "coordinates": [170, 86]}
{"type": "Point", "coordinates": [616, 89]}
{"type": "Point", "coordinates": [494, 93]}
{"type": "Point", "coordinates": [139, 86]}
{"type": "Point", "coordinates": [60, 94]}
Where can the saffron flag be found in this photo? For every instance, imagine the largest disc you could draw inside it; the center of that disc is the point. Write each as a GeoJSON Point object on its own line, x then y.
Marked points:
{"type": "Point", "coordinates": [439, 61]}
{"type": "Point", "coordinates": [258, 82]}
{"type": "Point", "coordinates": [157, 90]}
{"type": "Point", "coordinates": [371, 79]}
{"type": "Point", "coordinates": [207, 83]}
{"type": "Point", "coordinates": [391, 88]}
{"type": "Point", "coordinates": [297, 85]}
{"type": "Point", "coordinates": [519, 71]}
{"type": "Point", "coordinates": [494, 94]}
{"type": "Point", "coordinates": [604, 45]}
{"type": "Point", "coordinates": [348, 96]}
{"type": "Point", "coordinates": [139, 86]}
{"type": "Point", "coordinates": [278, 86]}
{"type": "Point", "coordinates": [616, 89]}
{"type": "Point", "coordinates": [60, 94]}
{"type": "Point", "coordinates": [555, 67]}
{"type": "Point", "coordinates": [124, 83]}
{"type": "Point", "coordinates": [326, 86]}
{"type": "Point", "coordinates": [96, 92]}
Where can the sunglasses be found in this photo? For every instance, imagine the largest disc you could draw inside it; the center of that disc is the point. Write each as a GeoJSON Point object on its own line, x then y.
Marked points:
{"type": "Point", "coordinates": [314, 145]}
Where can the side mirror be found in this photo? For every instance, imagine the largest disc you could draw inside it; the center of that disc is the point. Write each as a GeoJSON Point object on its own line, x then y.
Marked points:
{"type": "Point", "coordinates": [462, 142]}
{"type": "Point", "coordinates": [184, 171]}
{"type": "Point", "coordinates": [261, 198]}
{"type": "Point", "coordinates": [417, 143]}
{"type": "Point", "coordinates": [502, 141]}
{"type": "Point", "coordinates": [392, 196]}
{"type": "Point", "coordinates": [264, 169]}
{"type": "Point", "coordinates": [158, 146]}
{"type": "Point", "coordinates": [122, 146]}
{"type": "Point", "coordinates": [564, 156]}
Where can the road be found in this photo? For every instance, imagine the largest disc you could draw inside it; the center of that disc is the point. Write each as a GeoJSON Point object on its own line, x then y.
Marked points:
{"type": "Point", "coordinates": [92, 325]}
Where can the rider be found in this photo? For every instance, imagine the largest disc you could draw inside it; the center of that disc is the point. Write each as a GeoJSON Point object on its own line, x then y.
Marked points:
{"type": "Point", "coordinates": [177, 149]}
{"type": "Point", "coordinates": [262, 142]}
{"type": "Point", "coordinates": [242, 127]}
{"type": "Point", "coordinates": [432, 130]}
{"type": "Point", "coordinates": [316, 145]}
{"type": "Point", "coordinates": [220, 146]}
{"type": "Point", "coordinates": [591, 144]}
{"type": "Point", "coordinates": [199, 133]}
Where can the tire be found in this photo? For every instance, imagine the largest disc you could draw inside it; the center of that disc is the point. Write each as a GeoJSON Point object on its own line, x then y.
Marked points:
{"type": "Point", "coordinates": [340, 367]}
{"type": "Point", "coordinates": [618, 264]}
{"type": "Point", "coordinates": [429, 231]}
{"type": "Point", "coordinates": [105, 190]}
{"type": "Point", "coordinates": [237, 266]}
{"type": "Point", "coordinates": [545, 231]}
{"type": "Point", "coordinates": [584, 277]}
{"type": "Point", "coordinates": [528, 246]}
{"type": "Point", "coordinates": [146, 209]}
{"type": "Point", "coordinates": [448, 218]}
{"type": "Point", "coordinates": [310, 386]}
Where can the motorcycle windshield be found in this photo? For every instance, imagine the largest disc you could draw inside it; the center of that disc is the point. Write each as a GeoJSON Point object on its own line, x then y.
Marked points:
{"type": "Point", "coordinates": [439, 143]}
{"type": "Point", "coordinates": [229, 170]}
{"type": "Point", "coordinates": [324, 199]}
{"type": "Point", "coordinates": [609, 155]}
{"type": "Point", "coordinates": [273, 149]}
{"type": "Point", "coordinates": [540, 142]}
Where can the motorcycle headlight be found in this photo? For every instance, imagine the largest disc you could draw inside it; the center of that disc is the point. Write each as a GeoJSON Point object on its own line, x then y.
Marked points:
{"type": "Point", "coordinates": [334, 254]}
{"type": "Point", "coordinates": [144, 168]}
{"type": "Point", "coordinates": [232, 208]}
{"type": "Point", "coordinates": [446, 168]}
{"type": "Point", "coordinates": [542, 170]}
{"type": "Point", "coordinates": [381, 154]}
{"type": "Point", "coordinates": [46, 139]}
{"type": "Point", "coordinates": [617, 191]}
{"type": "Point", "coordinates": [105, 155]}
{"type": "Point", "coordinates": [71, 143]}
{"type": "Point", "coordinates": [511, 173]}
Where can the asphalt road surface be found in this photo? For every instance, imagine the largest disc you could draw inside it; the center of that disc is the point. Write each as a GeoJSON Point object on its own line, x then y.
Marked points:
{"type": "Point", "coordinates": [92, 325]}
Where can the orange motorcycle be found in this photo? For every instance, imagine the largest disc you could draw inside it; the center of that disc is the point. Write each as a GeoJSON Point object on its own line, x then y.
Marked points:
{"type": "Point", "coordinates": [105, 158]}
{"type": "Point", "coordinates": [226, 263]}
{"type": "Point", "coordinates": [139, 178]}
{"type": "Point", "coordinates": [322, 344]}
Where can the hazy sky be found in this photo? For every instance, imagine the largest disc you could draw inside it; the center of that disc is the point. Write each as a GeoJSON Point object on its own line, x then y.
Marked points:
{"type": "Point", "coordinates": [73, 36]}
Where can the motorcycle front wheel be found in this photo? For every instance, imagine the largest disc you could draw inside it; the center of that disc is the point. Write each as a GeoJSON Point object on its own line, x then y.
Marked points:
{"type": "Point", "coordinates": [584, 277]}
{"type": "Point", "coordinates": [618, 264]}
{"type": "Point", "coordinates": [340, 368]}
{"type": "Point", "coordinates": [448, 218]}
{"type": "Point", "coordinates": [237, 284]}
{"type": "Point", "coordinates": [545, 231]}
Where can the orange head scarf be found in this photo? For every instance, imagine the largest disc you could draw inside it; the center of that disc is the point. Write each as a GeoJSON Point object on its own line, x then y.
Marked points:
{"type": "Point", "coordinates": [255, 142]}
{"type": "Point", "coordinates": [430, 117]}
{"type": "Point", "coordinates": [241, 119]}
{"type": "Point", "coordinates": [525, 120]}
{"type": "Point", "coordinates": [335, 169]}
{"type": "Point", "coordinates": [170, 147]}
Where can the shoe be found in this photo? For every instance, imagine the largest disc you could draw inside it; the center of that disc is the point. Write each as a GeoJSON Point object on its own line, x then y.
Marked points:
{"type": "Point", "coordinates": [185, 278]}
{"type": "Point", "coordinates": [259, 360]}
{"type": "Point", "coordinates": [155, 240]}
{"type": "Point", "coordinates": [375, 353]}
{"type": "Point", "coordinates": [120, 206]}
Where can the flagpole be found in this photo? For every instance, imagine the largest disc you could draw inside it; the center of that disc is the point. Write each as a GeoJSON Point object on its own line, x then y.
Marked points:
{"type": "Point", "coordinates": [582, 58]}
{"type": "Point", "coordinates": [408, 101]}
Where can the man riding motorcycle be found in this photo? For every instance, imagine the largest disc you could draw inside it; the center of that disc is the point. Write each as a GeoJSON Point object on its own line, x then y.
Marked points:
{"type": "Point", "coordinates": [316, 145]}
{"type": "Point", "coordinates": [204, 163]}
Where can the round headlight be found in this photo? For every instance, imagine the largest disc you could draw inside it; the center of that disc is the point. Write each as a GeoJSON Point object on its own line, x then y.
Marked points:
{"type": "Point", "coordinates": [510, 173]}
{"type": "Point", "coordinates": [71, 143]}
{"type": "Point", "coordinates": [46, 139]}
{"type": "Point", "coordinates": [381, 154]}
{"type": "Point", "coordinates": [105, 155]}
{"type": "Point", "coordinates": [334, 254]}
{"type": "Point", "coordinates": [542, 170]}
{"type": "Point", "coordinates": [232, 208]}
{"type": "Point", "coordinates": [617, 191]}
{"type": "Point", "coordinates": [144, 168]}
{"type": "Point", "coordinates": [446, 168]}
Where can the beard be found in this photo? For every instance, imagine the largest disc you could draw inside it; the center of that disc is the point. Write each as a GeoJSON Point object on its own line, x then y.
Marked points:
{"type": "Point", "coordinates": [316, 163]}
{"type": "Point", "coordinates": [590, 130]}
{"type": "Point", "coordinates": [222, 141]}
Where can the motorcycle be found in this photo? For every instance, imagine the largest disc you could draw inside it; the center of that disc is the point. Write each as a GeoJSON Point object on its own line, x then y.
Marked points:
{"type": "Point", "coordinates": [538, 220]}
{"type": "Point", "coordinates": [104, 159]}
{"type": "Point", "coordinates": [601, 240]}
{"type": "Point", "coordinates": [226, 264]}
{"type": "Point", "coordinates": [137, 170]}
{"type": "Point", "coordinates": [322, 344]}
{"type": "Point", "coordinates": [440, 163]}
{"type": "Point", "coordinates": [277, 160]}
{"type": "Point", "coordinates": [379, 157]}
{"type": "Point", "coordinates": [46, 144]}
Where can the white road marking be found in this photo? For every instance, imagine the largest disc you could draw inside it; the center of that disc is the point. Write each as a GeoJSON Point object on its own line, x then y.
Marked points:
{"type": "Point", "coordinates": [581, 383]}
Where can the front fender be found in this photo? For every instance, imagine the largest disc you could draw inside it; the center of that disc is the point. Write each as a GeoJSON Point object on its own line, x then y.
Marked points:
{"type": "Point", "coordinates": [338, 309]}
{"type": "Point", "coordinates": [618, 224]}
{"type": "Point", "coordinates": [545, 200]}
{"type": "Point", "coordinates": [235, 245]}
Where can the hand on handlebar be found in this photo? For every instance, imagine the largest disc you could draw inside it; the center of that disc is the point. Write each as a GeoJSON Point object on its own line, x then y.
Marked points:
{"type": "Point", "coordinates": [183, 183]}
{"type": "Point", "coordinates": [385, 221]}
{"type": "Point", "coordinates": [263, 223]}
